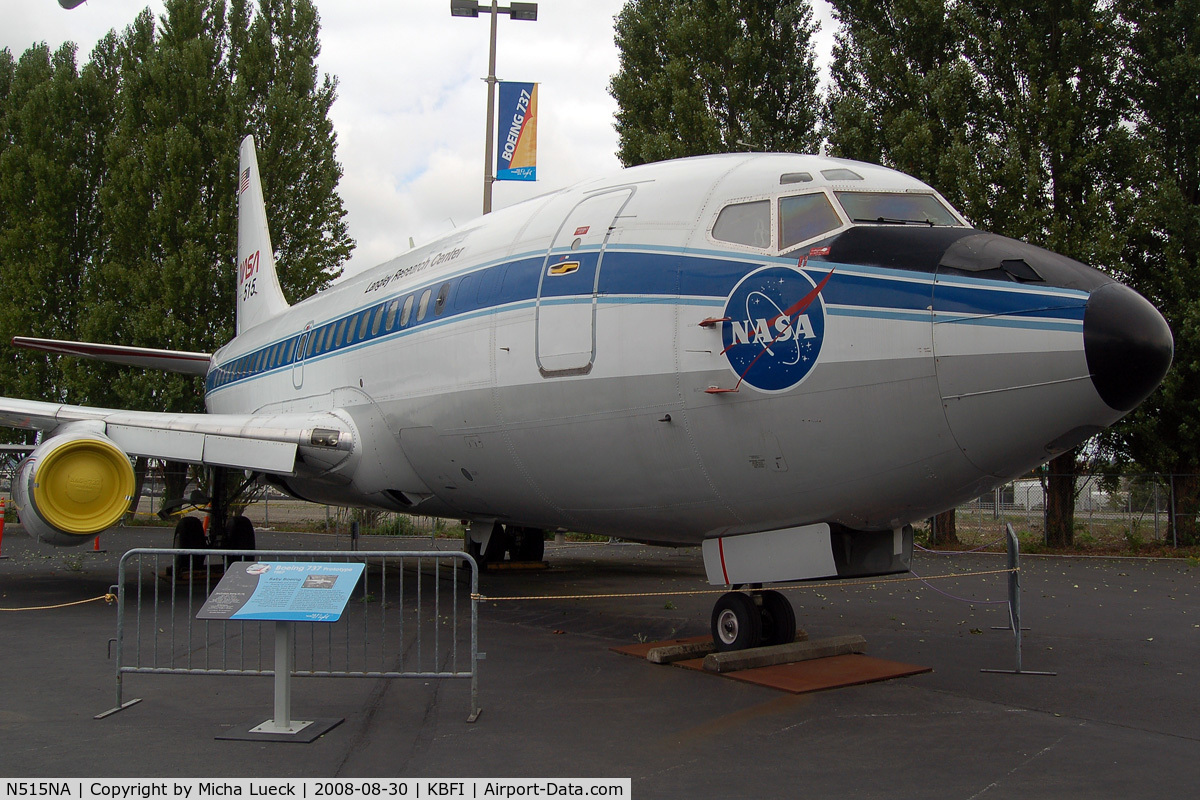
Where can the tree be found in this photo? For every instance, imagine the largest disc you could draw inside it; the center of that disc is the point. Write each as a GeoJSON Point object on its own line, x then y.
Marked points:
{"type": "Point", "coordinates": [277, 95]}
{"type": "Point", "coordinates": [943, 529]}
{"type": "Point", "coordinates": [902, 93]}
{"type": "Point", "coordinates": [714, 76]}
{"type": "Point", "coordinates": [1163, 252]}
{"type": "Point", "coordinates": [1051, 135]}
{"type": "Point", "coordinates": [54, 120]}
{"type": "Point", "coordinates": [166, 277]}
{"type": "Point", "coordinates": [1012, 108]}
{"type": "Point", "coordinates": [189, 90]}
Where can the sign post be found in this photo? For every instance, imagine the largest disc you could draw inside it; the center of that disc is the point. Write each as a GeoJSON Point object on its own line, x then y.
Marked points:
{"type": "Point", "coordinates": [285, 593]}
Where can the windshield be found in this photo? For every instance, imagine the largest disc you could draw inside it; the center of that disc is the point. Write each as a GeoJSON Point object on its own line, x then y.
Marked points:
{"type": "Point", "coordinates": [894, 208]}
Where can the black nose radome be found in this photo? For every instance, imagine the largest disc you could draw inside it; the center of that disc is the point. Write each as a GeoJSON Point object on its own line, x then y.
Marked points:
{"type": "Point", "coordinates": [1127, 343]}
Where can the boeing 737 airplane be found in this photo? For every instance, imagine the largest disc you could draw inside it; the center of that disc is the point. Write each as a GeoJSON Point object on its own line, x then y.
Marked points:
{"type": "Point", "coordinates": [785, 358]}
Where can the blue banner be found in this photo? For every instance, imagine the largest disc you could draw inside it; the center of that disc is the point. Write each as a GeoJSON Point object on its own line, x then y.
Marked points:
{"type": "Point", "coordinates": [516, 146]}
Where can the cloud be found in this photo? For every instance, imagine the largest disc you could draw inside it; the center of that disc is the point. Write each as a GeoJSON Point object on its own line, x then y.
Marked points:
{"type": "Point", "coordinates": [410, 114]}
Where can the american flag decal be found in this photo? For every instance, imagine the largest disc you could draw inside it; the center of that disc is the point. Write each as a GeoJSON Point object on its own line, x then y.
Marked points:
{"type": "Point", "coordinates": [244, 182]}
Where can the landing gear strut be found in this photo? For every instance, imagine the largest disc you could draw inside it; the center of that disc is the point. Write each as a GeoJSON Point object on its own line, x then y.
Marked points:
{"type": "Point", "coordinates": [521, 544]}
{"type": "Point", "coordinates": [758, 619]}
{"type": "Point", "coordinates": [223, 532]}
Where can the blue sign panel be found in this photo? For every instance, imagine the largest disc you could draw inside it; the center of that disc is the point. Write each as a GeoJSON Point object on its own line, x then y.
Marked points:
{"type": "Point", "coordinates": [282, 591]}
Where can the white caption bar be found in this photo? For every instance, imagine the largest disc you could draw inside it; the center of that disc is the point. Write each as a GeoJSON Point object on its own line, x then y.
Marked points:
{"type": "Point", "coordinates": [306, 788]}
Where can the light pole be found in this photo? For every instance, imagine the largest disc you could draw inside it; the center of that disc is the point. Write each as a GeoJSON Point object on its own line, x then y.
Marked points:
{"type": "Point", "coordinates": [471, 8]}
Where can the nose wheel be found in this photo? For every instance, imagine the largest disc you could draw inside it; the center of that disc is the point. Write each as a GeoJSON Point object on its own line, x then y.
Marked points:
{"type": "Point", "coordinates": [758, 619]}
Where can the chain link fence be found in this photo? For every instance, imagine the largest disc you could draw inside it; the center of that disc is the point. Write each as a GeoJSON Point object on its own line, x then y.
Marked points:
{"type": "Point", "coordinates": [1116, 512]}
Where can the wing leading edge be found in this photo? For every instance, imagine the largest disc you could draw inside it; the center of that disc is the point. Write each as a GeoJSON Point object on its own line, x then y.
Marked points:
{"type": "Point", "coordinates": [272, 443]}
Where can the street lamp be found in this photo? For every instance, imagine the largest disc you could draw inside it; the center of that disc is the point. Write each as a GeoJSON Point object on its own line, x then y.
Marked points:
{"type": "Point", "coordinates": [472, 8]}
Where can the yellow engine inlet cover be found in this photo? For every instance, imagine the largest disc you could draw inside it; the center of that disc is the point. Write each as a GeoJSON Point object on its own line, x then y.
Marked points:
{"type": "Point", "coordinates": [83, 486]}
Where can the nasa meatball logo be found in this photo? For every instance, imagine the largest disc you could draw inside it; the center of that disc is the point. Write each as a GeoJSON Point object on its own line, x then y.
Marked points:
{"type": "Point", "coordinates": [774, 328]}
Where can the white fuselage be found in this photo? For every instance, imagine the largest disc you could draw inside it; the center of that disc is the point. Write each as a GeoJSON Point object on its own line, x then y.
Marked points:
{"type": "Point", "coordinates": [546, 366]}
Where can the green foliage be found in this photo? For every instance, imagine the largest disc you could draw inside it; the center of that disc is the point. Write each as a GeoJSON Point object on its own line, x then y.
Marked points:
{"type": "Point", "coordinates": [53, 122]}
{"type": "Point", "coordinates": [117, 189]}
{"type": "Point", "coordinates": [714, 76]}
{"type": "Point", "coordinates": [286, 108]}
{"type": "Point", "coordinates": [1013, 109]}
{"type": "Point", "coordinates": [902, 93]}
{"type": "Point", "coordinates": [1162, 254]}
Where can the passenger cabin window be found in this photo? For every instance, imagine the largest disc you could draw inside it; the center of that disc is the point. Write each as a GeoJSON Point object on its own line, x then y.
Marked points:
{"type": "Point", "coordinates": [389, 321]}
{"type": "Point", "coordinates": [805, 216]}
{"type": "Point", "coordinates": [375, 323]}
{"type": "Point", "coordinates": [439, 305]}
{"type": "Point", "coordinates": [407, 312]}
{"type": "Point", "coordinates": [745, 223]}
{"type": "Point", "coordinates": [423, 308]}
{"type": "Point", "coordinates": [895, 208]}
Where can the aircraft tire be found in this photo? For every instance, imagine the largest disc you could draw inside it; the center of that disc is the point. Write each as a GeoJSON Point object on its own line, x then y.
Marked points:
{"type": "Point", "coordinates": [778, 619]}
{"type": "Point", "coordinates": [528, 544]}
{"type": "Point", "coordinates": [736, 622]}
{"type": "Point", "coordinates": [241, 536]}
{"type": "Point", "coordinates": [189, 535]}
{"type": "Point", "coordinates": [472, 548]}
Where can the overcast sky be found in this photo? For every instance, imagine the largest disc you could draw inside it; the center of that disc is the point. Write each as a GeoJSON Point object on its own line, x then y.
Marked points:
{"type": "Point", "coordinates": [411, 105]}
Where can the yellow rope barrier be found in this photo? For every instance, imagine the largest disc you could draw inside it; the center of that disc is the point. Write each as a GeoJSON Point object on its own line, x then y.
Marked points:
{"type": "Point", "coordinates": [108, 598]}
{"type": "Point", "coordinates": [836, 585]}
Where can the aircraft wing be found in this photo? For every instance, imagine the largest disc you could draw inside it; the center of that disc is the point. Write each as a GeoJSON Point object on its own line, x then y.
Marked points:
{"type": "Point", "coordinates": [269, 443]}
{"type": "Point", "coordinates": [188, 363]}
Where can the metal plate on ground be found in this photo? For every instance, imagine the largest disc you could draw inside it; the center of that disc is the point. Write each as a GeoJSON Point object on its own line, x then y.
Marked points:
{"type": "Point", "coordinates": [306, 735]}
{"type": "Point", "coordinates": [804, 676]}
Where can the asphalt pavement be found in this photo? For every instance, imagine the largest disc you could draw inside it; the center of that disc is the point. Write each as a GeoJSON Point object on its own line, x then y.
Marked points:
{"type": "Point", "coordinates": [1121, 718]}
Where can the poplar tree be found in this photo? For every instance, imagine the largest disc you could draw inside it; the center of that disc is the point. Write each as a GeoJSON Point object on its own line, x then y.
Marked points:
{"type": "Point", "coordinates": [1163, 253]}
{"type": "Point", "coordinates": [714, 76]}
{"type": "Point", "coordinates": [281, 100]}
{"type": "Point", "coordinates": [901, 93]}
{"type": "Point", "coordinates": [1051, 134]}
{"type": "Point", "coordinates": [167, 272]}
{"type": "Point", "coordinates": [53, 124]}
{"type": "Point", "coordinates": [1012, 109]}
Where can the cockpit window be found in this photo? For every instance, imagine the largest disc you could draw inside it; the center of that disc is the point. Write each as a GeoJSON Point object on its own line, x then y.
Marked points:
{"type": "Point", "coordinates": [745, 223]}
{"type": "Point", "coordinates": [803, 217]}
{"type": "Point", "coordinates": [840, 174]}
{"type": "Point", "coordinates": [894, 208]}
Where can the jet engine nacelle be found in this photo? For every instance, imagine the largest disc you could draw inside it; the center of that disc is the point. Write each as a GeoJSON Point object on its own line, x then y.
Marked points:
{"type": "Point", "coordinates": [72, 487]}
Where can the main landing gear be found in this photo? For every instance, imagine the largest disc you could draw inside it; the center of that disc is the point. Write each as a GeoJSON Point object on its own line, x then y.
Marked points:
{"type": "Point", "coordinates": [757, 619]}
{"type": "Point", "coordinates": [520, 543]}
{"type": "Point", "coordinates": [223, 532]}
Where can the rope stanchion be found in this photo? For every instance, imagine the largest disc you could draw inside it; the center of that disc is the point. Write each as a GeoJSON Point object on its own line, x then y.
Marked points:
{"type": "Point", "coordinates": [694, 592]}
{"type": "Point", "coordinates": [108, 598]}
{"type": "Point", "coordinates": [2, 513]}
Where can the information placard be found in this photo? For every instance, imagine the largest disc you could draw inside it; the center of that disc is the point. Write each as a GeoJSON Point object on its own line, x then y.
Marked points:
{"type": "Point", "coordinates": [282, 591]}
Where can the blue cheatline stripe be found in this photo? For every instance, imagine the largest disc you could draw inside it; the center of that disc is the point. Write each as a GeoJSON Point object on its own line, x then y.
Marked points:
{"type": "Point", "coordinates": [633, 275]}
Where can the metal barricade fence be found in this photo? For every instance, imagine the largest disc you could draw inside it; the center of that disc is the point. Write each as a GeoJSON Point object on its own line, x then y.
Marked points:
{"type": "Point", "coordinates": [405, 619]}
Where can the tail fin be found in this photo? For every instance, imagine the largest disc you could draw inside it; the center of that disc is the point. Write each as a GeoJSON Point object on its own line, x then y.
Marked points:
{"type": "Point", "coordinates": [259, 297]}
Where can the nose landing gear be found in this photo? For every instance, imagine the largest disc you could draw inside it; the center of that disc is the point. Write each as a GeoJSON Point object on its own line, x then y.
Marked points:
{"type": "Point", "coordinates": [758, 619]}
